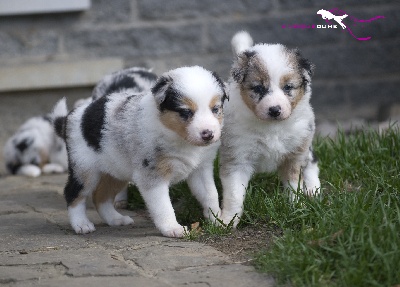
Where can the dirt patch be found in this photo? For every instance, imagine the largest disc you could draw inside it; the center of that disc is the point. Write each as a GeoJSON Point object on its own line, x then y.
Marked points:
{"type": "Point", "coordinates": [243, 243]}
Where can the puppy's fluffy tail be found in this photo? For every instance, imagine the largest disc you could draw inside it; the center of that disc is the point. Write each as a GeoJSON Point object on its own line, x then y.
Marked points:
{"type": "Point", "coordinates": [241, 41]}
{"type": "Point", "coordinates": [59, 117]}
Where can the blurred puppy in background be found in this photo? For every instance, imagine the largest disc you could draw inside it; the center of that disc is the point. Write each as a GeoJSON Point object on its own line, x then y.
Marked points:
{"type": "Point", "coordinates": [35, 149]}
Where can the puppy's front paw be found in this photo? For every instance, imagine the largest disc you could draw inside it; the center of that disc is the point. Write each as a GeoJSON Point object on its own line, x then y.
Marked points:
{"type": "Point", "coordinates": [177, 231]}
{"type": "Point", "coordinates": [83, 227]}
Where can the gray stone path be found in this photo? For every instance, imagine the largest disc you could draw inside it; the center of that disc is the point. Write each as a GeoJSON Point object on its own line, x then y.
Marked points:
{"type": "Point", "coordinates": [38, 247]}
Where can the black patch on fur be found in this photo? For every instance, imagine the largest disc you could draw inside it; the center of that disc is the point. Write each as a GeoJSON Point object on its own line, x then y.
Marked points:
{"type": "Point", "coordinates": [237, 75]}
{"type": "Point", "coordinates": [24, 144]}
{"type": "Point", "coordinates": [161, 82]}
{"type": "Point", "coordinates": [146, 75]}
{"type": "Point", "coordinates": [222, 86]}
{"type": "Point", "coordinates": [92, 123]}
{"type": "Point", "coordinates": [13, 167]}
{"type": "Point", "coordinates": [304, 64]}
{"type": "Point", "coordinates": [60, 126]}
{"type": "Point", "coordinates": [145, 162]}
{"type": "Point", "coordinates": [122, 82]}
{"type": "Point", "coordinates": [72, 188]}
{"type": "Point", "coordinates": [261, 91]}
{"type": "Point", "coordinates": [172, 101]}
{"type": "Point", "coordinates": [249, 54]}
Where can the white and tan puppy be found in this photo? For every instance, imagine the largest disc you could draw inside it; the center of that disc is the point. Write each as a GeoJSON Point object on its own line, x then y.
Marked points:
{"type": "Point", "coordinates": [153, 139]}
{"type": "Point", "coordinates": [269, 123]}
{"type": "Point", "coordinates": [35, 149]}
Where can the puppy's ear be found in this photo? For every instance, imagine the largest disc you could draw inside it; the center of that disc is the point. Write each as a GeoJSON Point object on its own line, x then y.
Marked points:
{"type": "Point", "coordinates": [222, 86]}
{"type": "Point", "coordinates": [304, 64]}
{"type": "Point", "coordinates": [160, 87]}
{"type": "Point", "coordinates": [241, 65]}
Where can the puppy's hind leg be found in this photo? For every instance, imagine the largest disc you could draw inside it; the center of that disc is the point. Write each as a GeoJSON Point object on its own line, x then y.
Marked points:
{"type": "Point", "coordinates": [76, 192]}
{"type": "Point", "coordinates": [103, 198]}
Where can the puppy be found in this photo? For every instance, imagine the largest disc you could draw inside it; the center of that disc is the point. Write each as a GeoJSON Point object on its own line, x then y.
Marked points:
{"type": "Point", "coordinates": [153, 139]}
{"type": "Point", "coordinates": [269, 123]}
{"type": "Point", "coordinates": [35, 149]}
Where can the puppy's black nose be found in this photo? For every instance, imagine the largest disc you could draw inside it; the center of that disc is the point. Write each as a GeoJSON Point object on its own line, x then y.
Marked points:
{"type": "Point", "coordinates": [207, 135]}
{"type": "Point", "coordinates": [274, 111]}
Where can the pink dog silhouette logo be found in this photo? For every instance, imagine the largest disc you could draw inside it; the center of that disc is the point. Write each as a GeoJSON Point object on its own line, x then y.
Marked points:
{"type": "Point", "coordinates": [339, 15]}
{"type": "Point", "coordinates": [328, 15]}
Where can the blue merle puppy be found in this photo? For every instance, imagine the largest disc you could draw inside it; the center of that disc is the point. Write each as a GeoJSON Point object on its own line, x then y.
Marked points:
{"type": "Point", "coordinates": [153, 139]}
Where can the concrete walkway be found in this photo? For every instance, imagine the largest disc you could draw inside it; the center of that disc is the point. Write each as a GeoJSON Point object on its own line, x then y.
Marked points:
{"type": "Point", "coordinates": [38, 247]}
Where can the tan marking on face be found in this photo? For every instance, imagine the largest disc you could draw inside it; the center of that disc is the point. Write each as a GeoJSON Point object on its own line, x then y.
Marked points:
{"type": "Point", "coordinates": [174, 122]}
{"type": "Point", "coordinates": [247, 99]}
{"type": "Point", "coordinates": [164, 167]}
{"type": "Point", "coordinates": [216, 101]}
{"type": "Point", "coordinates": [257, 74]}
{"type": "Point", "coordinates": [190, 104]}
{"type": "Point", "coordinates": [107, 188]}
{"type": "Point", "coordinates": [296, 94]}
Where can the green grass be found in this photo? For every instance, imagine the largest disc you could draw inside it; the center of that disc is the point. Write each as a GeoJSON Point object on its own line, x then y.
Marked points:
{"type": "Point", "coordinates": [350, 236]}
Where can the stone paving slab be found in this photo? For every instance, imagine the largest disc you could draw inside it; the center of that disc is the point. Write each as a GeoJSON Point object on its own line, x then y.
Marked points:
{"type": "Point", "coordinates": [39, 248]}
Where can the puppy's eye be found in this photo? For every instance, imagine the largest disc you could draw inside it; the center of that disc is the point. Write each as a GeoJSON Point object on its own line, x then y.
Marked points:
{"type": "Point", "coordinates": [260, 89]}
{"type": "Point", "coordinates": [185, 114]}
{"type": "Point", "coordinates": [287, 88]}
{"type": "Point", "coordinates": [215, 109]}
